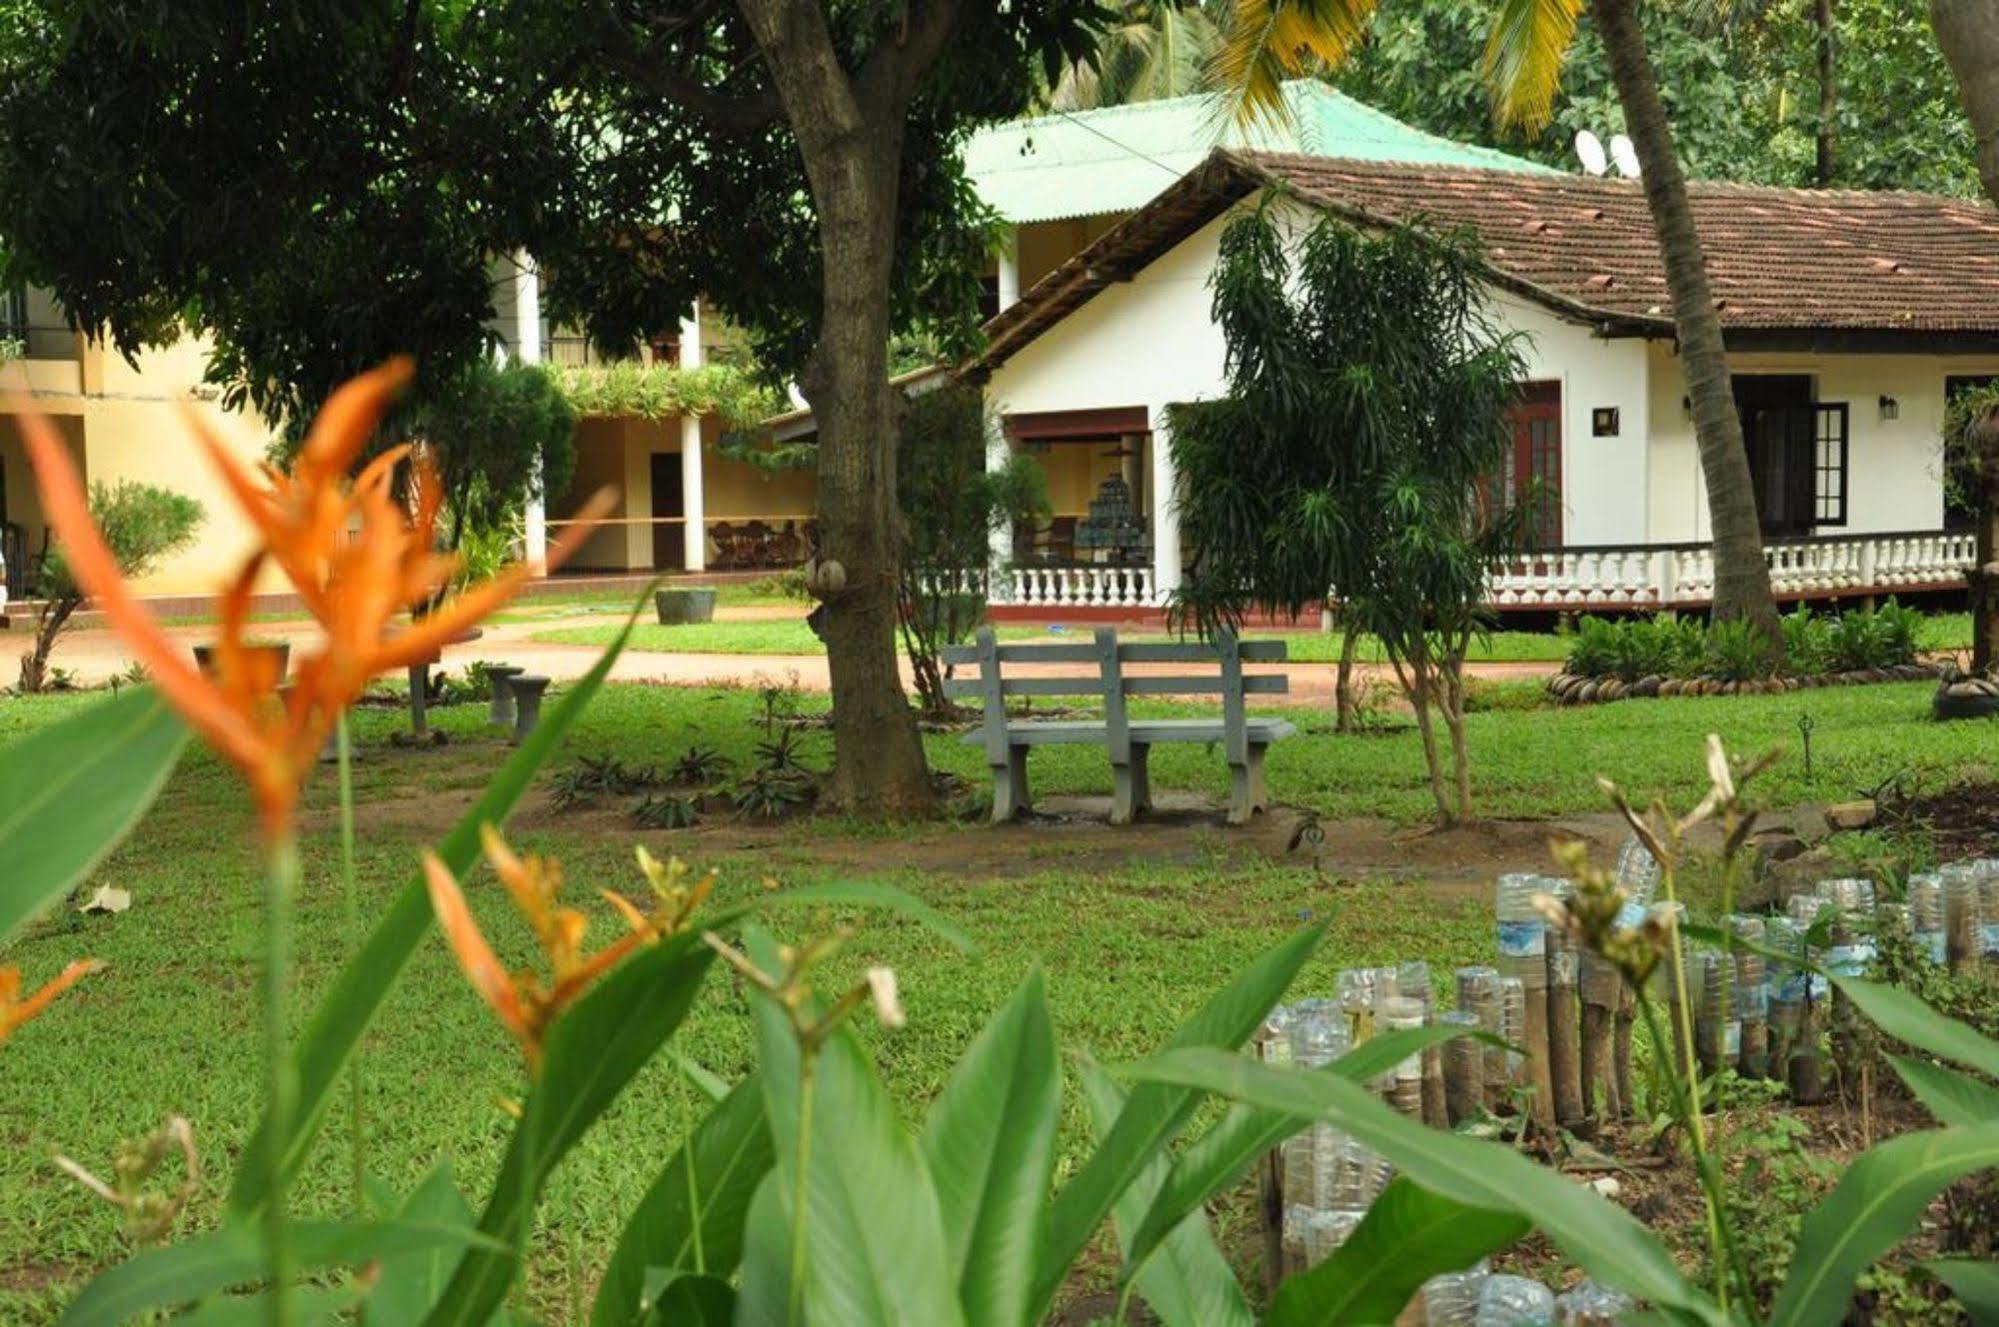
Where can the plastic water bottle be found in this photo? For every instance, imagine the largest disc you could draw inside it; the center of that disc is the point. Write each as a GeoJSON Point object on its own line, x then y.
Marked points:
{"type": "Point", "coordinates": [1926, 914]}
{"type": "Point", "coordinates": [1451, 1300]}
{"type": "Point", "coordinates": [1637, 872]}
{"type": "Point", "coordinates": [1326, 1231]}
{"type": "Point", "coordinates": [1514, 1301]}
{"type": "Point", "coordinates": [1523, 931]}
{"type": "Point", "coordinates": [1478, 995]}
{"type": "Point", "coordinates": [1592, 1305]}
{"type": "Point", "coordinates": [1405, 1091]}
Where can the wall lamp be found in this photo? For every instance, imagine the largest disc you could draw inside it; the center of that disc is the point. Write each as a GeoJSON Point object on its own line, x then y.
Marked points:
{"type": "Point", "coordinates": [1890, 408]}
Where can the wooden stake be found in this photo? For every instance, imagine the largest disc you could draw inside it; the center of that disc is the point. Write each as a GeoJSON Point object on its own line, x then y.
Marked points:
{"type": "Point", "coordinates": [1464, 1074]}
{"type": "Point", "coordinates": [1960, 924]}
{"type": "Point", "coordinates": [1625, 1018]}
{"type": "Point", "coordinates": [1600, 989]}
{"type": "Point", "coordinates": [1565, 1068]}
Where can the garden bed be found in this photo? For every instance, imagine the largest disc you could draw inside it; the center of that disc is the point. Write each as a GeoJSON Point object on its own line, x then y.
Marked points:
{"type": "Point", "coordinates": [1578, 689]}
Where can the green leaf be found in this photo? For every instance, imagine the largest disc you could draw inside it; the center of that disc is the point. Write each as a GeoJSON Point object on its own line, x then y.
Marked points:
{"type": "Point", "coordinates": [990, 1143]}
{"type": "Point", "coordinates": [1907, 1019]}
{"type": "Point", "coordinates": [680, 1298]}
{"type": "Point", "coordinates": [874, 1238]}
{"type": "Point", "coordinates": [1976, 1285]}
{"type": "Point", "coordinates": [1600, 1236]}
{"type": "Point", "coordinates": [307, 1304]}
{"type": "Point", "coordinates": [1225, 1153]}
{"type": "Point", "coordinates": [71, 792]}
{"type": "Point", "coordinates": [410, 1282]}
{"type": "Point", "coordinates": [1408, 1236]}
{"type": "Point", "coordinates": [593, 1051]}
{"type": "Point", "coordinates": [691, 1219]}
{"type": "Point", "coordinates": [234, 1255]}
{"type": "Point", "coordinates": [1951, 1096]}
{"type": "Point", "coordinates": [1189, 1283]}
{"type": "Point", "coordinates": [1876, 1203]}
{"type": "Point", "coordinates": [357, 994]}
{"type": "Point", "coordinates": [1155, 1112]}
{"type": "Point", "coordinates": [765, 1296]}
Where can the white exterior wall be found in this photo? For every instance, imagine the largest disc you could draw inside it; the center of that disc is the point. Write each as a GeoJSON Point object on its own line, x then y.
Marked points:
{"type": "Point", "coordinates": [1604, 480]}
{"type": "Point", "coordinates": [1894, 467]}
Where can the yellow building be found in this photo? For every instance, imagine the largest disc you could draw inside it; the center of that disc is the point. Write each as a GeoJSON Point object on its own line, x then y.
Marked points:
{"type": "Point", "coordinates": [123, 421]}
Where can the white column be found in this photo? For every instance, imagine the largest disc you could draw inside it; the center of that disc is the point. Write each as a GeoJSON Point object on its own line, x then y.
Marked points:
{"type": "Point", "coordinates": [694, 528]}
{"type": "Point", "coordinates": [1165, 510]}
{"type": "Point", "coordinates": [999, 544]}
{"type": "Point", "coordinates": [1009, 269]}
{"type": "Point", "coordinates": [527, 350]}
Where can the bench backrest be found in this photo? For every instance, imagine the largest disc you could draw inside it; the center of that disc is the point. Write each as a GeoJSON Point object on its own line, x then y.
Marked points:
{"type": "Point", "coordinates": [1109, 656]}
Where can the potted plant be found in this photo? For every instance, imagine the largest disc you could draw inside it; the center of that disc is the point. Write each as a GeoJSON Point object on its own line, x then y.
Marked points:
{"type": "Point", "coordinates": [683, 604]}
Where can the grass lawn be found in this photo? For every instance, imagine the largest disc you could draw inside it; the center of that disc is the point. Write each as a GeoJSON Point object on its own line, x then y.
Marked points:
{"type": "Point", "coordinates": [1130, 945]}
{"type": "Point", "coordinates": [1943, 631]}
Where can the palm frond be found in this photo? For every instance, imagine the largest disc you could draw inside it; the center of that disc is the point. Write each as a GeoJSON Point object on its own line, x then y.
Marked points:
{"type": "Point", "coordinates": [1523, 58]}
{"type": "Point", "coordinates": [1268, 41]}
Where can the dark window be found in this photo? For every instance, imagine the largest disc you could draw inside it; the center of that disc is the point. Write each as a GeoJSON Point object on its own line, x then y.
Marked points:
{"type": "Point", "coordinates": [1531, 476]}
{"type": "Point", "coordinates": [1779, 430]}
{"type": "Point", "coordinates": [1829, 463]}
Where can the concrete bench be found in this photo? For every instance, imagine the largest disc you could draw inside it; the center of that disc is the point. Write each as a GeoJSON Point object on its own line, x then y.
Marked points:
{"type": "Point", "coordinates": [1128, 741]}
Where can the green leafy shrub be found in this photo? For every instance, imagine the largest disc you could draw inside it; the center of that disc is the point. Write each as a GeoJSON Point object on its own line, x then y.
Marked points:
{"type": "Point", "coordinates": [1737, 652]}
{"type": "Point", "coordinates": [1814, 643]}
{"type": "Point", "coordinates": [664, 811]}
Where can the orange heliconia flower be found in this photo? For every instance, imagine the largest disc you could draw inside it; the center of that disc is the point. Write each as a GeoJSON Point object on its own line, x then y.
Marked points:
{"type": "Point", "coordinates": [14, 1011]}
{"type": "Point", "coordinates": [354, 582]}
{"type": "Point", "coordinates": [525, 1002]}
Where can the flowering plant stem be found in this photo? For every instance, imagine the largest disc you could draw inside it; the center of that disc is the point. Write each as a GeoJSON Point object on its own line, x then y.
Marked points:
{"type": "Point", "coordinates": [350, 894]}
{"type": "Point", "coordinates": [280, 884]}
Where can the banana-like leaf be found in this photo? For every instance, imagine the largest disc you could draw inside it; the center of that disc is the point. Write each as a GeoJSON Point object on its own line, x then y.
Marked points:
{"type": "Point", "coordinates": [691, 1219]}
{"type": "Point", "coordinates": [1907, 1019]}
{"type": "Point", "coordinates": [1155, 1111]}
{"type": "Point", "coordinates": [1408, 1236]}
{"type": "Point", "coordinates": [357, 995]}
{"type": "Point", "coordinates": [593, 1051]}
{"type": "Point", "coordinates": [873, 1234]}
{"type": "Point", "coordinates": [680, 1298]}
{"type": "Point", "coordinates": [1224, 1154]}
{"type": "Point", "coordinates": [313, 1305]}
{"type": "Point", "coordinates": [1951, 1096]}
{"type": "Point", "coordinates": [1976, 1285]}
{"type": "Point", "coordinates": [409, 1283]}
{"type": "Point", "coordinates": [990, 1143]}
{"type": "Point", "coordinates": [1601, 1237]}
{"type": "Point", "coordinates": [234, 1255]}
{"type": "Point", "coordinates": [764, 1299]}
{"type": "Point", "coordinates": [1189, 1283]}
{"type": "Point", "coordinates": [1523, 58]}
{"type": "Point", "coordinates": [1876, 1203]}
{"type": "Point", "coordinates": [71, 792]}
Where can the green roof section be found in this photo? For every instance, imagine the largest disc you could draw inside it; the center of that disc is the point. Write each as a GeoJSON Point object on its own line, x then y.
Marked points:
{"type": "Point", "coordinates": [1088, 163]}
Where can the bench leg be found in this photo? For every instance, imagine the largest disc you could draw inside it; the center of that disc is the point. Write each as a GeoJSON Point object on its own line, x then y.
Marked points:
{"type": "Point", "coordinates": [1010, 794]}
{"type": "Point", "coordinates": [1248, 793]}
{"type": "Point", "coordinates": [1131, 788]}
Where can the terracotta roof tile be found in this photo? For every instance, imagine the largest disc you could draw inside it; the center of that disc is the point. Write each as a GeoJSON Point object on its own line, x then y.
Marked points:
{"type": "Point", "coordinates": [1780, 260]}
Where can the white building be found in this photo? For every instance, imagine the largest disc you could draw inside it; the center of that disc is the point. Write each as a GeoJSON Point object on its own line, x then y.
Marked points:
{"type": "Point", "coordinates": [1849, 317]}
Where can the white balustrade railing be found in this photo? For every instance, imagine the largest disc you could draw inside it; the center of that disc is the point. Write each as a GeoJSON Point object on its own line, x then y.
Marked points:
{"type": "Point", "coordinates": [1683, 574]}
{"type": "Point", "coordinates": [1633, 576]}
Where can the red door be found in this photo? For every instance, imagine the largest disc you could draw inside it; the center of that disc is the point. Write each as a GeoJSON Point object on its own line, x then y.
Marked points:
{"type": "Point", "coordinates": [1533, 476]}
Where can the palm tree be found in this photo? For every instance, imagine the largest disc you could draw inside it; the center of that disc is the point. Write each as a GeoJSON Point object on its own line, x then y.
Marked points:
{"type": "Point", "coordinates": [1154, 49]}
{"type": "Point", "coordinates": [1269, 40]}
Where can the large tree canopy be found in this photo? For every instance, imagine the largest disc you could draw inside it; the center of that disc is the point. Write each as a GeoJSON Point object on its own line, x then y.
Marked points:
{"type": "Point", "coordinates": [322, 183]}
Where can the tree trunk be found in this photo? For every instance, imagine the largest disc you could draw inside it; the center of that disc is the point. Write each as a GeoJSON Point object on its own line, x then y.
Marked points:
{"type": "Point", "coordinates": [50, 621]}
{"type": "Point", "coordinates": [1346, 704]}
{"type": "Point", "coordinates": [1968, 33]}
{"type": "Point", "coordinates": [1741, 577]}
{"type": "Point", "coordinates": [1822, 20]}
{"type": "Point", "coordinates": [1452, 687]}
{"type": "Point", "coordinates": [1984, 576]}
{"type": "Point", "coordinates": [1417, 684]}
{"type": "Point", "coordinates": [851, 139]}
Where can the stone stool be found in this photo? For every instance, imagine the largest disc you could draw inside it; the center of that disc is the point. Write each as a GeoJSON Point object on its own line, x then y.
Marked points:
{"type": "Point", "coordinates": [501, 677]}
{"type": "Point", "coordinates": [527, 690]}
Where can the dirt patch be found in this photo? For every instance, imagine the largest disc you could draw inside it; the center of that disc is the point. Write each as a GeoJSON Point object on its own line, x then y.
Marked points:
{"type": "Point", "coordinates": [1964, 820]}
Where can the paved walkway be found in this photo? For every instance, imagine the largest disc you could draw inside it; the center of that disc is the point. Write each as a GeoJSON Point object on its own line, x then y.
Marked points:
{"type": "Point", "coordinates": [95, 655]}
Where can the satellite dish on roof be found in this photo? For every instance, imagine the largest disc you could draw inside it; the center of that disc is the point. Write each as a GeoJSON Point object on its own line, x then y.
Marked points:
{"type": "Point", "coordinates": [1625, 155]}
{"type": "Point", "coordinates": [1589, 151]}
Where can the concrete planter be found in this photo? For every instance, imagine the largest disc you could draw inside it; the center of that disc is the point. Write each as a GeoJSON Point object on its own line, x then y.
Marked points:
{"type": "Point", "coordinates": [679, 607]}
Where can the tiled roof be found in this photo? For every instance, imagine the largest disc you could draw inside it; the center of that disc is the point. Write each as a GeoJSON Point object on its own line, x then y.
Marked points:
{"type": "Point", "coordinates": [1091, 163]}
{"type": "Point", "coordinates": [1779, 260]}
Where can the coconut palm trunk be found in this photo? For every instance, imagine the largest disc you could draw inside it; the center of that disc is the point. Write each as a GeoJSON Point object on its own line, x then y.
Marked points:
{"type": "Point", "coordinates": [1968, 33]}
{"type": "Point", "coordinates": [1742, 577]}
